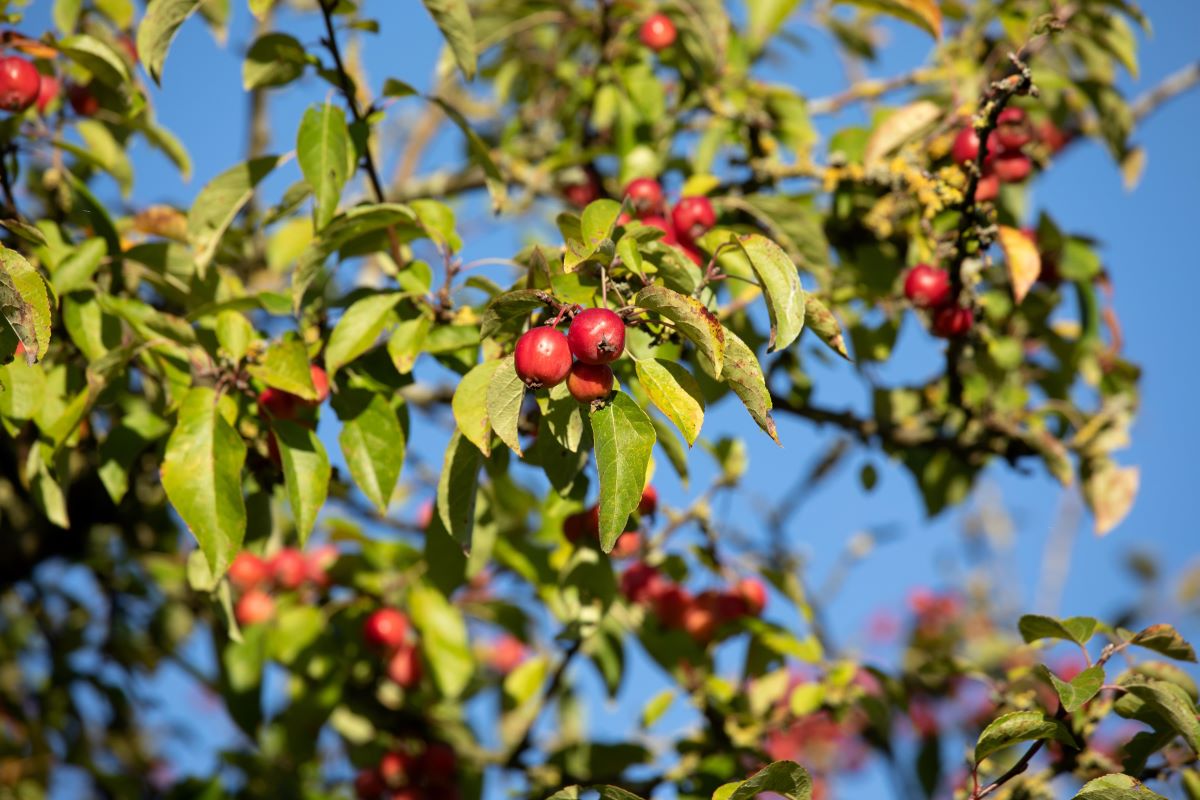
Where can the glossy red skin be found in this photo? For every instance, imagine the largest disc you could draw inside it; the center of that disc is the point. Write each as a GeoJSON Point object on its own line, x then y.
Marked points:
{"type": "Point", "coordinates": [649, 502]}
{"type": "Point", "coordinates": [988, 188]}
{"type": "Point", "coordinates": [692, 216]}
{"type": "Point", "coordinates": [320, 381]}
{"type": "Point", "coordinates": [664, 225]}
{"type": "Point", "coordinates": [385, 628]}
{"type": "Point", "coordinates": [1012, 167]}
{"type": "Point", "coordinates": [278, 404]}
{"type": "Point", "coordinates": [700, 622]}
{"type": "Point", "coordinates": [19, 84]}
{"type": "Point", "coordinates": [754, 593]}
{"type": "Point", "coordinates": [589, 382]}
{"type": "Point", "coordinates": [506, 654]}
{"type": "Point", "coordinates": [439, 763]}
{"type": "Point", "coordinates": [289, 568]}
{"type": "Point", "coordinates": [966, 146]}
{"type": "Point", "coordinates": [368, 785]}
{"type": "Point", "coordinates": [397, 768]}
{"type": "Point", "coordinates": [542, 357]}
{"type": "Point", "coordinates": [580, 194]}
{"type": "Point", "coordinates": [319, 560]}
{"type": "Point", "coordinates": [407, 793]}
{"type": "Point", "coordinates": [404, 667]}
{"type": "Point", "coordinates": [628, 545]}
{"type": "Point", "coordinates": [640, 582]}
{"type": "Point", "coordinates": [1052, 136]}
{"type": "Point", "coordinates": [926, 286]}
{"type": "Point", "coordinates": [951, 322]}
{"type": "Point", "coordinates": [671, 603]}
{"type": "Point", "coordinates": [254, 607]}
{"type": "Point", "coordinates": [724, 606]}
{"type": "Point", "coordinates": [47, 92]}
{"type": "Point", "coordinates": [1012, 129]}
{"type": "Point", "coordinates": [576, 526]}
{"type": "Point", "coordinates": [646, 196]}
{"type": "Point", "coordinates": [248, 571]}
{"type": "Point", "coordinates": [83, 102]}
{"type": "Point", "coordinates": [657, 32]}
{"type": "Point", "coordinates": [596, 336]}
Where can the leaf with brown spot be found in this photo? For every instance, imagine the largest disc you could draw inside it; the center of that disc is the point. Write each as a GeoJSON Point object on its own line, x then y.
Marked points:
{"type": "Point", "coordinates": [822, 322]}
{"type": "Point", "coordinates": [744, 376]}
{"type": "Point", "coordinates": [691, 319]}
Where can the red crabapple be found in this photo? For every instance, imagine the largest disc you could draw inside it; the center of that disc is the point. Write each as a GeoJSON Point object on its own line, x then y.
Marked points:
{"type": "Point", "coordinates": [692, 216]}
{"type": "Point", "coordinates": [542, 357]}
{"type": "Point", "coordinates": [657, 32]}
{"type": "Point", "coordinates": [289, 568]}
{"type": "Point", "coordinates": [248, 571]}
{"type": "Point", "coordinates": [645, 195]}
{"type": "Point", "coordinates": [596, 336]}
{"type": "Point", "coordinates": [951, 322]}
{"type": "Point", "coordinates": [404, 667]}
{"type": "Point", "coordinates": [253, 607]}
{"type": "Point", "coordinates": [926, 286]}
{"type": "Point", "coordinates": [20, 83]}
{"type": "Point", "coordinates": [385, 628]}
{"type": "Point", "coordinates": [589, 382]}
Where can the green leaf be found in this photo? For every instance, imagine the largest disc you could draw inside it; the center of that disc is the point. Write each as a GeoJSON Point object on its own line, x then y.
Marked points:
{"type": "Point", "coordinates": [823, 323]}
{"type": "Point", "coordinates": [453, 18]}
{"type": "Point", "coordinates": [25, 303]}
{"type": "Point", "coordinates": [106, 152]}
{"type": "Point", "coordinates": [99, 58]}
{"type": "Point", "coordinates": [479, 153]}
{"type": "Point", "coordinates": [470, 405]}
{"type": "Point", "coordinates": [624, 439]}
{"type": "Point", "coordinates": [202, 476]}
{"type": "Point", "coordinates": [1167, 703]}
{"type": "Point", "coordinates": [407, 342]}
{"type": "Point", "coordinates": [458, 486]}
{"type": "Point", "coordinates": [1082, 688]}
{"type": "Point", "coordinates": [158, 28]}
{"type": "Point", "coordinates": [1073, 629]}
{"type": "Point", "coordinates": [220, 201]}
{"type": "Point", "coordinates": [673, 389]}
{"type": "Point", "coordinates": [507, 312]}
{"type": "Point", "coordinates": [1116, 787]}
{"type": "Point", "coordinates": [293, 630]}
{"type": "Point", "coordinates": [1019, 726]}
{"type": "Point", "coordinates": [786, 778]}
{"type": "Point", "coordinates": [373, 443]}
{"type": "Point", "coordinates": [744, 376]}
{"type": "Point", "coordinates": [275, 59]}
{"type": "Point", "coordinates": [657, 706]}
{"type": "Point", "coordinates": [669, 441]}
{"type": "Point", "coordinates": [76, 270]}
{"type": "Point", "coordinates": [925, 14]}
{"type": "Point", "coordinates": [691, 319]}
{"type": "Point", "coordinates": [780, 282]}
{"type": "Point", "coordinates": [605, 792]}
{"type": "Point", "coordinates": [563, 417]}
{"type": "Point", "coordinates": [765, 18]}
{"type": "Point", "coordinates": [323, 149]}
{"type": "Point", "coordinates": [1166, 640]}
{"type": "Point", "coordinates": [306, 473]}
{"type": "Point", "coordinates": [285, 366]}
{"type": "Point", "coordinates": [596, 225]}
{"type": "Point", "coordinates": [505, 393]}
{"type": "Point", "coordinates": [443, 639]}
{"type": "Point", "coordinates": [165, 142]}
{"type": "Point", "coordinates": [359, 329]}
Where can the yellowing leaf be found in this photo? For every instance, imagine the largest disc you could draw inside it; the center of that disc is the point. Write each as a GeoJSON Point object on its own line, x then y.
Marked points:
{"type": "Point", "coordinates": [1111, 493]}
{"type": "Point", "coordinates": [900, 127]}
{"type": "Point", "coordinates": [1022, 259]}
{"type": "Point", "coordinates": [925, 14]}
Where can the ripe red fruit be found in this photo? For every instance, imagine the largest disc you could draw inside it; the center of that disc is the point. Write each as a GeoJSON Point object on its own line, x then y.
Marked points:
{"type": "Point", "coordinates": [640, 582]}
{"type": "Point", "coordinates": [506, 654]}
{"type": "Point", "coordinates": [671, 603]}
{"type": "Point", "coordinates": [645, 195]}
{"type": "Point", "coordinates": [950, 322]}
{"type": "Point", "coordinates": [407, 793]}
{"type": "Point", "coordinates": [82, 100]}
{"type": "Point", "coordinates": [319, 561]}
{"type": "Point", "coordinates": [988, 188]}
{"type": "Point", "coordinates": [1012, 129]}
{"type": "Point", "coordinates": [47, 92]}
{"type": "Point", "coordinates": [368, 784]}
{"type": "Point", "coordinates": [248, 571]}
{"type": "Point", "coordinates": [926, 286]}
{"type": "Point", "coordinates": [580, 194]}
{"type": "Point", "coordinates": [754, 594]}
{"type": "Point", "coordinates": [254, 607]}
{"type": "Point", "coordinates": [725, 606]}
{"type": "Point", "coordinates": [19, 84]}
{"type": "Point", "coordinates": [1052, 136]}
{"type": "Point", "coordinates": [320, 381]}
{"type": "Point", "coordinates": [657, 32]}
{"type": "Point", "coordinates": [289, 568]}
{"type": "Point", "coordinates": [700, 622]}
{"type": "Point", "coordinates": [1012, 167]}
{"type": "Point", "coordinates": [649, 502]}
{"type": "Point", "coordinates": [385, 628]}
{"type": "Point", "coordinates": [596, 336]}
{"type": "Point", "coordinates": [691, 252]}
{"type": "Point", "coordinates": [664, 225]}
{"type": "Point", "coordinates": [628, 545]}
{"type": "Point", "coordinates": [589, 382]}
{"type": "Point", "coordinates": [692, 216]}
{"type": "Point", "coordinates": [966, 146]}
{"type": "Point", "coordinates": [404, 667]}
{"type": "Point", "coordinates": [543, 357]}
{"type": "Point", "coordinates": [278, 404]}
{"type": "Point", "coordinates": [439, 762]}
{"type": "Point", "coordinates": [397, 768]}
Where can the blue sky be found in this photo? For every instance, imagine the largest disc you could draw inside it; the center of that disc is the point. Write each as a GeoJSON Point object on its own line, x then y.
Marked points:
{"type": "Point", "coordinates": [1147, 250]}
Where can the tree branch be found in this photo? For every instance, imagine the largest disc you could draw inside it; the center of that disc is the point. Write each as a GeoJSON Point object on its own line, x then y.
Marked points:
{"type": "Point", "coordinates": [1172, 86]}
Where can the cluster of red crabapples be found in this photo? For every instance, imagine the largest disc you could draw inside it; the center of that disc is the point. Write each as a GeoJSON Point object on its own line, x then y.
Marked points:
{"type": "Point", "coordinates": [289, 570]}
{"type": "Point", "coordinates": [596, 338]}
{"type": "Point", "coordinates": [584, 526]}
{"type": "Point", "coordinates": [701, 615]}
{"type": "Point", "coordinates": [277, 404]}
{"type": "Point", "coordinates": [682, 225]}
{"type": "Point", "coordinates": [386, 630]}
{"type": "Point", "coordinates": [929, 288]}
{"type": "Point", "coordinates": [1006, 160]}
{"type": "Point", "coordinates": [424, 772]}
{"type": "Point", "coordinates": [23, 86]}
